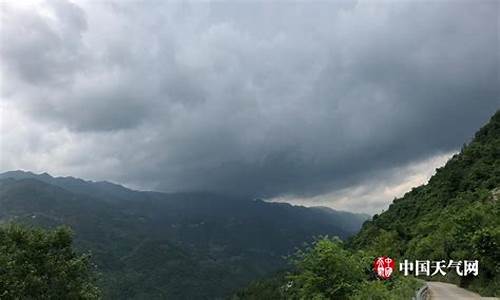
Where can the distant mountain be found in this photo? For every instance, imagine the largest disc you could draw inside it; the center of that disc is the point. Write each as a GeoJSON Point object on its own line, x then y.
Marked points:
{"type": "Point", "coordinates": [108, 190]}
{"type": "Point", "coordinates": [150, 245]}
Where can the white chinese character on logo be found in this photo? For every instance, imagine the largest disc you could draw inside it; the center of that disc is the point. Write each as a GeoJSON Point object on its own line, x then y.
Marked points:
{"type": "Point", "coordinates": [406, 267]}
{"type": "Point", "coordinates": [471, 267]}
{"type": "Point", "coordinates": [380, 267]}
{"type": "Point", "coordinates": [422, 267]}
{"type": "Point", "coordinates": [437, 266]}
{"type": "Point", "coordinates": [457, 266]}
{"type": "Point", "coordinates": [388, 269]}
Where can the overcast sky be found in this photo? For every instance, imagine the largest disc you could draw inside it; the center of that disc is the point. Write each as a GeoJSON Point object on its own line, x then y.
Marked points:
{"type": "Point", "coordinates": [344, 104]}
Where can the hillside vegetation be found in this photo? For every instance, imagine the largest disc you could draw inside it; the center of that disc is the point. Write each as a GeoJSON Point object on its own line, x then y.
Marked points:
{"type": "Point", "coordinates": [456, 216]}
{"type": "Point", "coordinates": [40, 264]}
{"type": "Point", "coordinates": [178, 246]}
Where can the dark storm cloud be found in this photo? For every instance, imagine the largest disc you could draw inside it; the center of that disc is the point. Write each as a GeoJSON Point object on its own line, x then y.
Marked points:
{"type": "Point", "coordinates": [259, 99]}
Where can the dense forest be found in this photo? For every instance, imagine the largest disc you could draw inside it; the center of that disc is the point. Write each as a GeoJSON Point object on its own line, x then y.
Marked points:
{"type": "Point", "coordinates": [456, 216]}
{"type": "Point", "coordinates": [149, 245]}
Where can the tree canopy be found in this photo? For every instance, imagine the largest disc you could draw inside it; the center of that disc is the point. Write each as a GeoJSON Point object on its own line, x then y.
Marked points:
{"type": "Point", "coordinates": [42, 264]}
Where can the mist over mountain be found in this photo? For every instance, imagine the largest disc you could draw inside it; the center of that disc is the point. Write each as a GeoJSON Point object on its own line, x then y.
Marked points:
{"type": "Point", "coordinates": [454, 217]}
{"type": "Point", "coordinates": [264, 100]}
{"type": "Point", "coordinates": [156, 245]}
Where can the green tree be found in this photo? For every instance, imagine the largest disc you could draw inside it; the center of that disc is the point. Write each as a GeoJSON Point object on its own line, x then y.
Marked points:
{"type": "Point", "coordinates": [325, 271]}
{"type": "Point", "coordinates": [41, 264]}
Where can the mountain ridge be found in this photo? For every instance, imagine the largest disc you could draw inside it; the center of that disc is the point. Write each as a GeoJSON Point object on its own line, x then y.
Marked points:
{"type": "Point", "coordinates": [454, 216]}
{"type": "Point", "coordinates": [184, 246]}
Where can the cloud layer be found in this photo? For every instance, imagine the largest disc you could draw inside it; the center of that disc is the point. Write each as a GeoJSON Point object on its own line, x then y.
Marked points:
{"type": "Point", "coordinates": [265, 100]}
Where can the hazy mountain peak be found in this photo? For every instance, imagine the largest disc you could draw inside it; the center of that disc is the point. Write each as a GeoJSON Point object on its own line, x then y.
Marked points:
{"type": "Point", "coordinates": [111, 191]}
{"type": "Point", "coordinates": [18, 174]}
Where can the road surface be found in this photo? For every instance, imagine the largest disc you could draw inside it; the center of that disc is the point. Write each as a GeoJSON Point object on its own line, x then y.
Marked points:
{"type": "Point", "coordinates": [445, 291]}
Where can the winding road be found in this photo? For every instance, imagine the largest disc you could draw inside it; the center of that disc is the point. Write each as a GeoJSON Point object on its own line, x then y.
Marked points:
{"type": "Point", "coordinates": [445, 291]}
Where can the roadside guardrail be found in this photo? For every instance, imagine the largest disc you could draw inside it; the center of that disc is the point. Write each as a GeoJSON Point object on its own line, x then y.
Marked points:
{"type": "Point", "coordinates": [422, 293]}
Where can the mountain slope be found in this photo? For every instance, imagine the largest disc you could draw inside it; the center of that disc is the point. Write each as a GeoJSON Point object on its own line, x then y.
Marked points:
{"type": "Point", "coordinates": [455, 216]}
{"type": "Point", "coordinates": [154, 245]}
{"type": "Point", "coordinates": [103, 189]}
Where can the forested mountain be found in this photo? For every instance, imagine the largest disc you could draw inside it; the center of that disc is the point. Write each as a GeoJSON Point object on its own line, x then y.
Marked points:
{"type": "Point", "coordinates": [456, 216]}
{"type": "Point", "coordinates": [151, 245]}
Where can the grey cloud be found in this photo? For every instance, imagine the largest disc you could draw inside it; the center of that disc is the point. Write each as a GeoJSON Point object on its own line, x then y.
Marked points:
{"type": "Point", "coordinates": [257, 99]}
{"type": "Point", "coordinates": [42, 50]}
